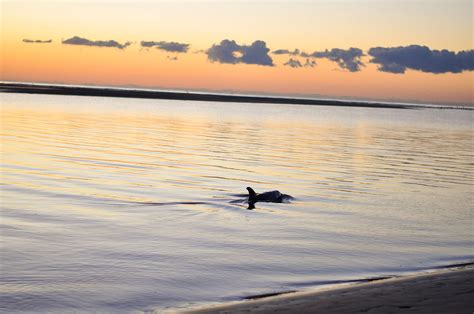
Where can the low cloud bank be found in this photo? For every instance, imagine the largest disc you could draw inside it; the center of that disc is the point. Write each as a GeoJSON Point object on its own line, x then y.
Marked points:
{"type": "Point", "coordinates": [166, 46]}
{"type": "Point", "coordinates": [421, 58]}
{"type": "Point", "coordinates": [76, 40]}
{"type": "Point", "coordinates": [388, 59]}
{"type": "Point", "coordinates": [37, 41]}
{"type": "Point", "coordinates": [295, 52]}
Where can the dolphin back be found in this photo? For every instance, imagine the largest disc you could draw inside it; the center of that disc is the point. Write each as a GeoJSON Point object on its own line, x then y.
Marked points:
{"type": "Point", "coordinates": [269, 197]}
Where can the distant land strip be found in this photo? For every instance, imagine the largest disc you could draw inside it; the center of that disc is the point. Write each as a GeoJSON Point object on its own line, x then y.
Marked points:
{"type": "Point", "coordinates": [25, 88]}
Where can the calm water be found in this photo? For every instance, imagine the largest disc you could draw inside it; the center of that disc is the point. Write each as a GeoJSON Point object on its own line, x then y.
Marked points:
{"type": "Point", "coordinates": [123, 205]}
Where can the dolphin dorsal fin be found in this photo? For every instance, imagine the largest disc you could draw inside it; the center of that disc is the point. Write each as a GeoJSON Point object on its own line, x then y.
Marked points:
{"type": "Point", "coordinates": [252, 194]}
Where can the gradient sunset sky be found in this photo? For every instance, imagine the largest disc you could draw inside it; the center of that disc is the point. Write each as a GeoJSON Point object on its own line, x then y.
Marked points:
{"type": "Point", "coordinates": [403, 50]}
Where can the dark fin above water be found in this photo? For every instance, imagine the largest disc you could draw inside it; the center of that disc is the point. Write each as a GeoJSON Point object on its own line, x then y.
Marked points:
{"type": "Point", "coordinates": [252, 198]}
{"type": "Point", "coordinates": [268, 197]}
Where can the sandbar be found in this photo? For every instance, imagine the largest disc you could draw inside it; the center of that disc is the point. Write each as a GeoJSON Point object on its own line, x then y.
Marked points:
{"type": "Point", "coordinates": [25, 88]}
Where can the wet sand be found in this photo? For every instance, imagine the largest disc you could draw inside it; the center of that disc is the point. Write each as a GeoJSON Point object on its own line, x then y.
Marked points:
{"type": "Point", "coordinates": [443, 291]}
{"type": "Point", "coordinates": [150, 94]}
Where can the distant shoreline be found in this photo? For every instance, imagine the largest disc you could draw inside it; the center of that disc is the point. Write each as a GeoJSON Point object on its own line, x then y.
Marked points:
{"type": "Point", "coordinates": [26, 88]}
{"type": "Point", "coordinates": [50, 89]}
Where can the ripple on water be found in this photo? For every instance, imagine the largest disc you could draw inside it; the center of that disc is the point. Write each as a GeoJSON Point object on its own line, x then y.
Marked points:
{"type": "Point", "coordinates": [140, 204]}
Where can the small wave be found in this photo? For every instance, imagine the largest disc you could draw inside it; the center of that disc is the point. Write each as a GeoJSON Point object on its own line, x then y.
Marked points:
{"type": "Point", "coordinates": [171, 203]}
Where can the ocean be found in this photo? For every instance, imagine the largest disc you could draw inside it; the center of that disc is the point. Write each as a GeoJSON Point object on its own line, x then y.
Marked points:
{"type": "Point", "coordinates": [129, 205]}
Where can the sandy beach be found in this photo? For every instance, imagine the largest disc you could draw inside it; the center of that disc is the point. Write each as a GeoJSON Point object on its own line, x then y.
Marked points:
{"type": "Point", "coordinates": [444, 291]}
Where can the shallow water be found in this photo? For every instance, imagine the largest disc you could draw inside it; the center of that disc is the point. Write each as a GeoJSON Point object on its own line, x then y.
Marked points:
{"type": "Point", "coordinates": [125, 205]}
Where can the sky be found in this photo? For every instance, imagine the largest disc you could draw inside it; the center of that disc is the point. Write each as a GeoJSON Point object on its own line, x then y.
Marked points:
{"type": "Point", "coordinates": [411, 51]}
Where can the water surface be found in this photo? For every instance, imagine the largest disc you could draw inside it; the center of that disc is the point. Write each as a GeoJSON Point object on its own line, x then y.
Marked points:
{"type": "Point", "coordinates": [123, 205]}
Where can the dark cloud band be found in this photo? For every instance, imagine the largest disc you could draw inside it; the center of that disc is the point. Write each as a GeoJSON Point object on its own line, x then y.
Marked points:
{"type": "Point", "coordinates": [228, 51]}
{"type": "Point", "coordinates": [167, 46]}
{"type": "Point", "coordinates": [295, 52]}
{"type": "Point", "coordinates": [98, 43]}
{"type": "Point", "coordinates": [37, 41]}
{"type": "Point", "coordinates": [421, 58]}
{"type": "Point", "coordinates": [388, 59]}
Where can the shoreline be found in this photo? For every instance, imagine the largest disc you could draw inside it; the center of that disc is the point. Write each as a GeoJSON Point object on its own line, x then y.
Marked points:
{"type": "Point", "coordinates": [28, 88]}
{"type": "Point", "coordinates": [442, 290]}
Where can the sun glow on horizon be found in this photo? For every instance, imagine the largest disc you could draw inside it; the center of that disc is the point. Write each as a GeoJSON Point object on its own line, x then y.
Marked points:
{"type": "Point", "coordinates": [311, 27]}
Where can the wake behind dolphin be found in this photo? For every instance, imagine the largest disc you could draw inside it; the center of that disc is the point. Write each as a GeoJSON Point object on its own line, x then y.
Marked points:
{"type": "Point", "coordinates": [269, 197]}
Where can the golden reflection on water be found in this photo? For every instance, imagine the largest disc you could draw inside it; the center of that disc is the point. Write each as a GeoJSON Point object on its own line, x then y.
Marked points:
{"type": "Point", "coordinates": [201, 144]}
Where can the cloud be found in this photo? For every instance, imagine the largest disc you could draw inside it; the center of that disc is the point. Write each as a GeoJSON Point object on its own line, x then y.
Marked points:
{"type": "Point", "coordinates": [293, 63]}
{"type": "Point", "coordinates": [167, 46]}
{"type": "Point", "coordinates": [286, 52]}
{"type": "Point", "coordinates": [281, 52]}
{"type": "Point", "coordinates": [228, 51]}
{"type": "Point", "coordinates": [310, 63]}
{"type": "Point", "coordinates": [346, 59]}
{"type": "Point", "coordinates": [256, 53]}
{"type": "Point", "coordinates": [225, 52]}
{"type": "Point", "coordinates": [37, 41]}
{"type": "Point", "coordinates": [421, 58]}
{"type": "Point", "coordinates": [98, 43]}
{"type": "Point", "coordinates": [148, 44]}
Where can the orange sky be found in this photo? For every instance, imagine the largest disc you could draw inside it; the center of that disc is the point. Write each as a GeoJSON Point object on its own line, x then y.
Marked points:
{"type": "Point", "coordinates": [440, 26]}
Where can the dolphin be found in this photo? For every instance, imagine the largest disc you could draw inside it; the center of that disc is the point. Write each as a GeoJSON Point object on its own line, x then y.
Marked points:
{"type": "Point", "coordinates": [269, 197]}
